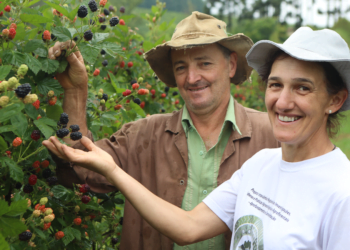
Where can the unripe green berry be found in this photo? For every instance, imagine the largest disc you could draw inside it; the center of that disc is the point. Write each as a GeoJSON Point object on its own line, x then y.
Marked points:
{"type": "Point", "coordinates": [60, 210]}
{"type": "Point", "coordinates": [102, 102]}
{"type": "Point", "coordinates": [4, 100]}
{"type": "Point", "coordinates": [48, 211]}
{"type": "Point", "coordinates": [99, 95]}
{"type": "Point", "coordinates": [77, 209]}
{"type": "Point", "coordinates": [13, 81]}
{"type": "Point", "coordinates": [43, 200]}
{"type": "Point", "coordinates": [51, 93]}
{"type": "Point", "coordinates": [3, 85]}
{"type": "Point", "coordinates": [111, 99]}
{"type": "Point", "coordinates": [22, 70]}
{"type": "Point", "coordinates": [140, 80]}
{"type": "Point", "coordinates": [87, 67]}
{"type": "Point", "coordinates": [36, 213]}
{"type": "Point", "coordinates": [100, 90]}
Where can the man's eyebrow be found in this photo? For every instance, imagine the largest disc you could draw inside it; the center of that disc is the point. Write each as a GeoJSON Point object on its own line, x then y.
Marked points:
{"type": "Point", "coordinates": [178, 62]}
{"type": "Point", "coordinates": [298, 79]}
{"type": "Point", "coordinates": [202, 58]}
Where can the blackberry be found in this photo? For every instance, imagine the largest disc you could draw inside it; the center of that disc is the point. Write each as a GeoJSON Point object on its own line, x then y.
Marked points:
{"type": "Point", "coordinates": [75, 136]}
{"type": "Point", "coordinates": [166, 89]}
{"type": "Point", "coordinates": [82, 11]}
{"type": "Point", "coordinates": [23, 90]}
{"type": "Point", "coordinates": [35, 135]}
{"type": "Point", "coordinates": [114, 21]}
{"type": "Point", "coordinates": [103, 27]}
{"type": "Point", "coordinates": [18, 185]}
{"type": "Point", "coordinates": [137, 101]}
{"type": "Point", "coordinates": [163, 110]}
{"type": "Point", "coordinates": [59, 125]}
{"type": "Point", "coordinates": [114, 241]}
{"type": "Point", "coordinates": [155, 77]}
{"type": "Point", "coordinates": [25, 236]}
{"type": "Point", "coordinates": [30, 170]}
{"type": "Point", "coordinates": [62, 132]}
{"type": "Point", "coordinates": [105, 97]}
{"type": "Point", "coordinates": [102, 19]}
{"type": "Point", "coordinates": [132, 82]}
{"type": "Point", "coordinates": [121, 220]}
{"type": "Point", "coordinates": [52, 180]}
{"type": "Point", "coordinates": [53, 37]}
{"type": "Point", "coordinates": [122, 9]}
{"type": "Point", "coordinates": [106, 12]}
{"type": "Point", "coordinates": [88, 35]}
{"type": "Point", "coordinates": [175, 93]}
{"type": "Point", "coordinates": [103, 52]}
{"type": "Point", "coordinates": [28, 188]}
{"type": "Point", "coordinates": [74, 128]}
{"type": "Point", "coordinates": [91, 22]}
{"type": "Point", "coordinates": [105, 63]}
{"type": "Point", "coordinates": [92, 5]}
{"type": "Point", "coordinates": [111, 8]}
{"type": "Point", "coordinates": [46, 173]}
{"type": "Point", "coordinates": [76, 38]}
{"type": "Point", "coordinates": [64, 118]}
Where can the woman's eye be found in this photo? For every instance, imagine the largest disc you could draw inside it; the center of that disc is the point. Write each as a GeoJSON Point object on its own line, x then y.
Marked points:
{"type": "Point", "coordinates": [274, 85]}
{"type": "Point", "coordinates": [303, 88]}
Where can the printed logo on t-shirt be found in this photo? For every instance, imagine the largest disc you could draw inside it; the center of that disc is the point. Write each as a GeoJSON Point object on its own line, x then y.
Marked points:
{"type": "Point", "coordinates": [248, 234]}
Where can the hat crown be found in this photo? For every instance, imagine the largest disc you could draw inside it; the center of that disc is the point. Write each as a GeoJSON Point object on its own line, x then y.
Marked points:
{"type": "Point", "coordinates": [327, 43]}
{"type": "Point", "coordinates": [199, 25]}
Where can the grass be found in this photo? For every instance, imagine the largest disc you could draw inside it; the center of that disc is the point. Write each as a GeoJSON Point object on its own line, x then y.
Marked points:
{"type": "Point", "coordinates": [342, 140]}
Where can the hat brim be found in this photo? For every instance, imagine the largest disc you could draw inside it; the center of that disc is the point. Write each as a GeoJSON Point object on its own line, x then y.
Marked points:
{"type": "Point", "coordinates": [160, 61]}
{"type": "Point", "coordinates": [258, 55]}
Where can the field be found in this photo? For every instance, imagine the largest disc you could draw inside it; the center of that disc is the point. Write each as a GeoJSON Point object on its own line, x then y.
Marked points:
{"type": "Point", "coordinates": [342, 140]}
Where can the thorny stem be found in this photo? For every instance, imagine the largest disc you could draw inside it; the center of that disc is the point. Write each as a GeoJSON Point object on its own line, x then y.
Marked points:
{"type": "Point", "coordinates": [35, 152]}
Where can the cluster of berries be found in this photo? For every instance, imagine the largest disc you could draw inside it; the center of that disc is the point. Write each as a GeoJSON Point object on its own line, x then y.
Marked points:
{"type": "Point", "coordinates": [9, 33]}
{"type": "Point", "coordinates": [63, 131]}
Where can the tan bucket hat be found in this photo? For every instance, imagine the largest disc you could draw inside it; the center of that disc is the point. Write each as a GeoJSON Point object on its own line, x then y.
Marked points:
{"type": "Point", "coordinates": [199, 29]}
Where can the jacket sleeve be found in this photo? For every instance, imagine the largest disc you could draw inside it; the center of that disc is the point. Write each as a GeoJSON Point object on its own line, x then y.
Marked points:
{"type": "Point", "coordinates": [69, 173]}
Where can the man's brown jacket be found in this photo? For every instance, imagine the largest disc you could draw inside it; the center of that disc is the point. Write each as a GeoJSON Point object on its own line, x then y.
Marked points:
{"type": "Point", "coordinates": [154, 151]}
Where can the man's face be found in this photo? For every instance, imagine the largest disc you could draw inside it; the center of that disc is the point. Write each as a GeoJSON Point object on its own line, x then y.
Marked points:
{"type": "Point", "coordinates": [203, 77]}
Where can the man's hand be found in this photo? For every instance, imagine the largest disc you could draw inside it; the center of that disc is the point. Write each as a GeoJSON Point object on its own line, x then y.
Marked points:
{"type": "Point", "coordinates": [75, 76]}
{"type": "Point", "coordinates": [96, 159]}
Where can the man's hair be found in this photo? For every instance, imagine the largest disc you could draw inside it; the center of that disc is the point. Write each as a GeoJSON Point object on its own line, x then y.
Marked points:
{"type": "Point", "coordinates": [225, 51]}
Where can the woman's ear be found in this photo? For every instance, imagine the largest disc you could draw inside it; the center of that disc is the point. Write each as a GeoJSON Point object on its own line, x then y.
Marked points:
{"type": "Point", "coordinates": [338, 100]}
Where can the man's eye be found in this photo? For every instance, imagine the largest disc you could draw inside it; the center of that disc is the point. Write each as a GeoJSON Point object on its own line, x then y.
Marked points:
{"type": "Point", "coordinates": [206, 63]}
{"type": "Point", "coordinates": [179, 68]}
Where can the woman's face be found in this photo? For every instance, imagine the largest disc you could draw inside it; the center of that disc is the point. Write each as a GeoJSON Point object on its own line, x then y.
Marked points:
{"type": "Point", "coordinates": [297, 101]}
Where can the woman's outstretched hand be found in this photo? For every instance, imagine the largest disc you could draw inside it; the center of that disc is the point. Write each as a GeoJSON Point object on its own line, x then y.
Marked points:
{"type": "Point", "coordinates": [96, 159]}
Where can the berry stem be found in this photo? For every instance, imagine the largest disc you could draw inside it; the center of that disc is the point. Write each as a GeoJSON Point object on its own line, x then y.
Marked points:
{"type": "Point", "coordinates": [20, 155]}
{"type": "Point", "coordinates": [35, 152]}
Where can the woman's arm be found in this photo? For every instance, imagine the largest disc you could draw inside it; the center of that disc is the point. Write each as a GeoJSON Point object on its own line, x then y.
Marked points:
{"type": "Point", "coordinates": [183, 227]}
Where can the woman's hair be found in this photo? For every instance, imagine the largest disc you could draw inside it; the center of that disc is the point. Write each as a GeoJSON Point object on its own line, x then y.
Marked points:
{"type": "Point", "coordinates": [334, 84]}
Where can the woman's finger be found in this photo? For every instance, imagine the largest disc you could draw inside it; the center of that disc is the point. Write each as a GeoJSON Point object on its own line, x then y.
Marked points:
{"type": "Point", "coordinates": [50, 146]}
{"type": "Point", "coordinates": [58, 146]}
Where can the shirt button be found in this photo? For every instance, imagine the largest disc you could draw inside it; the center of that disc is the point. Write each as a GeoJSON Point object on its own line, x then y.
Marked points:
{"type": "Point", "coordinates": [205, 191]}
{"type": "Point", "coordinates": [201, 153]}
{"type": "Point", "coordinates": [182, 182]}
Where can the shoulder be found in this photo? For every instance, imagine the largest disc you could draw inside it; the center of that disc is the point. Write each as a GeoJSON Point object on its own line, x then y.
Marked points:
{"type": "Point", "coordinates": [257, 117]}
{"type": "Point", "coordinates": [266, 154]}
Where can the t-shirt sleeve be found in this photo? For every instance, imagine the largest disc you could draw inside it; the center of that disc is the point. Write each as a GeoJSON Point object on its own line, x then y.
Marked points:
{"type": "Point", "coordinates": [222, 201]}
{"type": "Point", "coordinates": [336, 232]}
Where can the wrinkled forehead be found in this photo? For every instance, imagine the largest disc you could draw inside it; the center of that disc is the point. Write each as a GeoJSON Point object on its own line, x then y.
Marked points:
{"type": "Point", "coordinates": [192, 50]}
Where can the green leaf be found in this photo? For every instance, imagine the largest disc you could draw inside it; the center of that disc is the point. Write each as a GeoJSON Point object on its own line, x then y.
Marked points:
{"type": "Point", "coordinates": [48, 65]}
{"type": "Point", "coordinates": [33, 45]}
{"type": "Point", "coordinates": [9, 111]}
{"type": "Point", "coordinates": [63, 65]}
{"type": "Point", "coordinates": [72, 31]}
{"type": "Point", "coordinates": [44, 128]}
{"type": "Point", "coordinates": [48, 84]}
{"type": "Point", "coordinates": [68, 236]}
{"type": "Point", "coordinates": [89, 53]}
{"type": "Point", "coordinates": [29, 18]}
{"type": "Point", "coordinates": [31, 111]}
{"type": "Point", "coordinates": [4, 207]}
{"type": "Point", "coordinates": [73, 13]}
{"type": "Point", "coordinates": [60, 191]}
{"type": "Point", "coordinates": [4, 71]}
{"type": "Point", "coordinates": [147, 45]}
{"type": "Point", "coordinates": [17, 208]}
{"type": "Point", "coordinates": [42, 52]}
{"type": "Point", "coordinates": [137, 109]}
{"type": "Point", "coordinates": [5, 128]}
{"type": "Point", "coordinates": [98, 37]}
{"type": "Point", "coordinates": [20, 124]}
{"type": "Point", "coordinates": [16, 172]}
{"type": "Point", "coordinates": [155, 9]}
{"type": "Point", "coordinates": [54, 112]}
{"type": "Point", "coordinates": [3, 144]}
{"type": "Point", "coordinates": [59, 8]}
{"type": "Point", "coordinates": [63, 34]}
{"type": "Point", "coordinates": [76, 233]}
{"type": "Point", "coordinates": [27, 4]}
{"type": "Point", "coordinates": [33, 63]}
{"type": "Point", "coordinates": [19, 58]}
{"type": "Point", "coordinates": [125, 116]}
{"type": "Point", "coordinates": [110, 115]}
{"type": "Point", "coordinates": [39, 232]}
{"type": "Point", "coordinates": [62, 222]}
{"type": "Point", "coordinates": [3, 244]}
{"type": "Point", "coordinates": [11, 226]}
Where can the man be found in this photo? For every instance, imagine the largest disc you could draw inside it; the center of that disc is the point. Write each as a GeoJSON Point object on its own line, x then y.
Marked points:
{"type": "Point", "coordinates": [183, 156]}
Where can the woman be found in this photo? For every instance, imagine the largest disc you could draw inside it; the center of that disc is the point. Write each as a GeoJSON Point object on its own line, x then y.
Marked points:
{"type": "Point", "coordinates": [294, 197]}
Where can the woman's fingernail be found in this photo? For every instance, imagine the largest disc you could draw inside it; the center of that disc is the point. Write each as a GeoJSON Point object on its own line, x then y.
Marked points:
{"type": "Point", "coordinates": [56, 52]}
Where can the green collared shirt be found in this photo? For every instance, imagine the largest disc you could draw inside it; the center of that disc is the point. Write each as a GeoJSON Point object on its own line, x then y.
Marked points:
{"type": "Point", "coordinates": [203, 169]}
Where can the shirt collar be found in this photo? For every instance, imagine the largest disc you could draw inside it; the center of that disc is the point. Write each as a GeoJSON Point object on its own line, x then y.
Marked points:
{"type": "Point", "coordinates": [230, 117]}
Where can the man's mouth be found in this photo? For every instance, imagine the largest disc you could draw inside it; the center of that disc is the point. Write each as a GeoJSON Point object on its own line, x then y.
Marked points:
{"type": "Point", "coordinates": [199, 89]}
{"type": "Point", "coordinates": [288, 118]}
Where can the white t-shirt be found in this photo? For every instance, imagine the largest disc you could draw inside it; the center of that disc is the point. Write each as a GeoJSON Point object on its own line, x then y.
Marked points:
{"type": "Point", "coordinates": [273, 204]}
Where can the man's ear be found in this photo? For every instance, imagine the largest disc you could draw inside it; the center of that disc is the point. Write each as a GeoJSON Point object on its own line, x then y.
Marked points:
{"type": "Point", "coordinates": [233, 64]}
{"type": "Point", "coordinates": [338, 100]}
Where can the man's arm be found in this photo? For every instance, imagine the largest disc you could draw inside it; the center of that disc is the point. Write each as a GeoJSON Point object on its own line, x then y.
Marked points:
{"type": "Point", "coordinates": [74, 83]}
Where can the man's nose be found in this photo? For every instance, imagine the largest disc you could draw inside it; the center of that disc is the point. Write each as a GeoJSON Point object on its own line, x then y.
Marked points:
{"type": "Point", "coordinates": [193, 74]}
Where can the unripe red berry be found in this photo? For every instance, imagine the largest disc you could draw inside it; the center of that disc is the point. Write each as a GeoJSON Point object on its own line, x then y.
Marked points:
{"type": "Point", "coordinates": [142, 104]}
{"type": "Point", "coordinates": [96, 72]}
{"type": "Point", "coordinates": [59, 235]}
{"type": "Point", "coordinates": [135, 86]}
{"type": "Point", "coordinates": [17, 142]}
{"type": "Point", "coordinates": [7, 8]}
{"type": "Point", "coordinates": [177, 102]}
{"type": "Point", "coordinates": [45, 163]}
{"type": "Point", "coordinates": [32, 179]}
{"type": "Point", "coordinates": [163, 95]}
{"type": "Point", "coordinates": [153, 91]}
{"type": "Point", "coordinates": [85, 199]}
{"type": "Point", "coordinates": [77, 221]}
{"type": "Point", "coordinates": [130, 64]}
{"type": "Point", "coordinates": [12, 33]}
{"type": "Point", "coordinates": [121, 22]}
{"type": "Point", "coordinates": [13, 25]}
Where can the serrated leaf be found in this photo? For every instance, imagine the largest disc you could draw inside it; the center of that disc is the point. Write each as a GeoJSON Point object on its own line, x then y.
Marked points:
{"type": "Point", "coordinates": [29, 18]}
{"type": "Point", "coordinates": [73, 13]}
{"type": "Point", "coordinates": [5, 128]}
{"type": "Point", "coordinates": [89, 53]}
{"type": "Point", "coordinates": [27, 4]}
{"type": "Point", "coordinates": [31, 111]}
{"type": "Point", "coordinates": [42, 52]}
{"type": "Point", "coordinates": [76, 233]}
{"type": "Point", "coordinates": [40, 233]}
{"type": "Point", "coordinates": [63, 65]}
{"type": "Point", "coordinates": [19, 58]}
{"type": "Point", "coordinates": [4, 207]}
{"type": "Point", "coordinates": [125, 115]}
{"type": "Point", "coordinates": [62, 222]}
{"type": "Point", "coordinates": [54, 112]}
{"type": "Point", "coordinates": [48, 65]}
{"type": "Point", "coordinates": [33, 45]}
{"type": "Point", "coordinates": [110, 115]}
{"type": "Point", "coordinates": [11, 226]}
{"type": "Point", "coordinates": [44, 128]}
{"type": "Point", "coordinates": [60, 191]}
{"type": "Point", "coordinates": [137, 109]}
{"type": "Point", "coordinates": [48, 84]}
{"type": "Point", "coordinates": [72, 31]}
{"type": "Point", "coordinates": [17, 208]}
{"type": "Point", "coordinates": [63, 34]}
{"type": "Point", "coordinates": [58, 7]}
{"type": "Point", "coordinates": [20, 124]}
{"type": "Point", "coordinates": [3, 144]}
{"type": "Point", "coordinates": [7, 57]}
{"type": "Point", "coordinates": [3, 244]}
{"type": "Point", "coordinates": [68, 236]}
{"type": "Point", "coordinates": [147, 45]}
{"type": "Point", "coordinates": [4, 71]}
{"type": "Point", "coordinates": [33, 63]}
{"type": "Point", "coordinates": [98, 37]}
{"type": "Point", "coordinates": [9, 111]}
{"type": "Point", "coordinates": [16, 172]}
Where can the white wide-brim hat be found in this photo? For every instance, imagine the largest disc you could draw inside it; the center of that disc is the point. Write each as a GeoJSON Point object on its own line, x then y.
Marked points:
{"type": "Point", "coordinates": [307, 45]}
